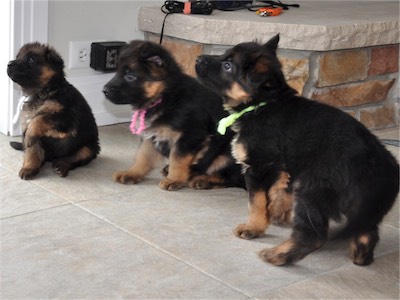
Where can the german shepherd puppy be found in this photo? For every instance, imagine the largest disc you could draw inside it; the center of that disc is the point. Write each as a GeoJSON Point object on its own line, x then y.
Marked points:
{"type": "Point", "coordinates": [58, 124]}
{"type": "Point", "coordinates": [296, 150]}
{"type": "Point", "coordinates": [176, 117]}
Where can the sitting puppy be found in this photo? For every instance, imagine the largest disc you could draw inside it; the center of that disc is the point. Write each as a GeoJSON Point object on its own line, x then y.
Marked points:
{"type": "Point", "coordinates": [176, 117]}
{"type": "Point", "coordinates": [294, 149]}
{"type": "Point", "coordinates": [58, 124]}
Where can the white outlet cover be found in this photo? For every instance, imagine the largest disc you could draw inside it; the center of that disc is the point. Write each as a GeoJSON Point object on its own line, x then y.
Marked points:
{"type": "Point", "coordinates": [79, 54]}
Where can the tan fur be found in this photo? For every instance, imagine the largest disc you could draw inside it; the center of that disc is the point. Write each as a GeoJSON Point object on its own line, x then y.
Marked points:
{"type": "Point", "coordinates": [153, 89]}
{"type": "Point", "coordinates": [237, 95]}
{"type": "Point", "coordinates": [257, 220]}
{"type": "Point", "coordinates": [46, 75]}
{"type": "Point", "coordinates": [277, 255]}
{"type": "Point", "coordinates": [38, 127]}
{"type": "Point", "coordinates": [163, 133]}
{"type": "Point", "coordinates": [280, 207]}
{"type": "Point", "coordinates": [219, 163]}
{"type": "Point", "coordinates": [262, 66]}
{"type": "Point", "coordinates": [200, 154]}
{"type": "Point", "coordinates": [33, 159]}
{"type": "Point", "coordinates": [145, 160]}
{"type": "Point", "coordinates": [178, 171]}
{"type": "Point", "coordinates": [239, 152]}
{"type": "Point", "coordinates": [82, 154]}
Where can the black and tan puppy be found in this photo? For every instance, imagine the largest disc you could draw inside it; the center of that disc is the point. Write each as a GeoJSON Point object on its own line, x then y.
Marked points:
{"type": "Point", "coordinates": [58, 124]}
{"type": "Point", "coordinates": [176, 117]}
{"type": "Point", "coordinates": [294, 149]}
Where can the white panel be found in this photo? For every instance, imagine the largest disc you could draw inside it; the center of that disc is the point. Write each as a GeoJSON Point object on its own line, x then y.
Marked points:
{"type": "Point", "coordinates": [105, 112]}
{"type": "Point", "coordinates": [5, 55]}
{"type": "Point", "coordinates": [29, 22]}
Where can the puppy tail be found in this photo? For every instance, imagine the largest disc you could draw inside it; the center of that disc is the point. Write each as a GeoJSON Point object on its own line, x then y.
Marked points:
{"type": "Point", "coordinates": [17, 146]}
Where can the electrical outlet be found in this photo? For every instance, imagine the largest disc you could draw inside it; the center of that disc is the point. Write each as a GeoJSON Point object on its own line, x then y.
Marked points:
{"type": "Point", "coordinates": [79, 55]}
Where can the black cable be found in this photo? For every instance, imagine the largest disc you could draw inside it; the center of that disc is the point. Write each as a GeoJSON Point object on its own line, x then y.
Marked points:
{"type": "Point", "coordinates": [175, 7]}
{"type": "Point", "coordinates": [279, 3]}
{"type": "Point", "coordinates": [162, 28]}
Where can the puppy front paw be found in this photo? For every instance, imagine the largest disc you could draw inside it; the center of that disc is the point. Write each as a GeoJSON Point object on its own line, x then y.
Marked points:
{"type": "Point", "coordinates": [288, 252]}
{"type": "Point", "coordinates": [200, 183]}
{"type": "Point", "coordinates": [274, 256]}
{"type": "Point", "coordinates": [27, 174]}
{"type": "Point", "coordinates": [126, 177]}
{"type": "Point", "coordinates": [244, 231]}
{"type": "Point", "coordinates": [169, 185]}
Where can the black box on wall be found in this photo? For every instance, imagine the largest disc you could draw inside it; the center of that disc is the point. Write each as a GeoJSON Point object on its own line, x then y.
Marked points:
{"type": "Point", "coordinates": [104, 55]}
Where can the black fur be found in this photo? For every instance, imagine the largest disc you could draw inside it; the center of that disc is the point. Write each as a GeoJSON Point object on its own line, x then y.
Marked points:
{"type": "Point", "coordinates": [182, 125]}
{"type": "Point", "coordinates": [336, 166]}
{"type": "Point", "coordinates": [58, 124]}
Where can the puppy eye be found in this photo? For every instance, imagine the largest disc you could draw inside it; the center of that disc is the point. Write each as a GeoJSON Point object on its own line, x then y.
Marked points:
{"type": "Point", "coordinates": [129, 76]}
{"type": "Point", "coordinates": [30, 59]}
{"type": "Point", "coordinates": [227, 66]}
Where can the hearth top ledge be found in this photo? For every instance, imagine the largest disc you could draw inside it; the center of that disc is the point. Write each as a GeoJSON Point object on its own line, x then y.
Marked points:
{"type": "Point", "coordinates": [314, 26]}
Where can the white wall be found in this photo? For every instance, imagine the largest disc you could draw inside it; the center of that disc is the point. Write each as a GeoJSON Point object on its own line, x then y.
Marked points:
{"type": "Point", "coordinates": [94, 20]}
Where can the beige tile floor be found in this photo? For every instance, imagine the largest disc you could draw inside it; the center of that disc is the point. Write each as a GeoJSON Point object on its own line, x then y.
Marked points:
{"type": "Point", "coordinates": [86, 237]}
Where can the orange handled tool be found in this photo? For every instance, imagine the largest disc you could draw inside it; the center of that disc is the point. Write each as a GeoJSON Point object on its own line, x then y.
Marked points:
{"type": "Point", "coordinates": [269, 11]}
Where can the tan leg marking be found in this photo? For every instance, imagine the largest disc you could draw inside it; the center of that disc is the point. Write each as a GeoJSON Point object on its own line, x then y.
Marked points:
{"type": "Point", "coordinates": [280, 206]}
{"type": "Point", "coordinates": [257, 220]}
{"type": "Point", "coordinates": [33, 159]}
{"type": "Point", "coordinates": [146, 158]}
{"type": "Point", "coordinates": [178, 171]}
{"type": "Point", "coordinates": [62, 165]}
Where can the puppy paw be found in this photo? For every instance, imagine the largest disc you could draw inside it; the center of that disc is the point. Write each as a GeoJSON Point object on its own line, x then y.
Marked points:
{"type": "Point", "coordinates": [244, 231]}
{"type": "Point", "coordinates": [200, 183]}
{"type": "Point", "coordinates": [273, 256]}
{"type": "Point", "coordinates": [169, 185]}
{"type": "Point", "coordinates": [27, 174]}
{"type": "Point", "coordinates": [125, 177]}
{"type": "Point", "coordinates": [61, 167]}
{"type": "Point", "coordinates": [288, 252]}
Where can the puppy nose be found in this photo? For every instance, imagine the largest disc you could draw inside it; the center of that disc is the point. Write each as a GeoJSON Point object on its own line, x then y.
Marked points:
{"type": "Point", "coordinates": [200, 60]}
{"type": "Point", "coordinates": [106, 91]}
{"type": "Point", "coordinates": [10, 64]}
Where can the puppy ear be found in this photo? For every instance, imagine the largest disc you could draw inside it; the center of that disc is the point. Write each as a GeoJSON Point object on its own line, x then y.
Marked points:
{"type": "Point", "coordinates": [257, 71]}
{"type": "Point", "coordinates": [272, 44]}
{"type": "Point", "coordinates": [261, 66]}
{"type": "Point", "coordinates": [157, 60]}
{"type": "Point", "coordinates": [54, 59]}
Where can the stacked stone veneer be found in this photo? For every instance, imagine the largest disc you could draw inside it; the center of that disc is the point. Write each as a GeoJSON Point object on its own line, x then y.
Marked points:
{"type": "Point", "coordinates": [362, 81]}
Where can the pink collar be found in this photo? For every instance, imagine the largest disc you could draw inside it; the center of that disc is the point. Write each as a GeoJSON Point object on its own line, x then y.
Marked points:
{"type": "Point", "coordinates": [141, 113]}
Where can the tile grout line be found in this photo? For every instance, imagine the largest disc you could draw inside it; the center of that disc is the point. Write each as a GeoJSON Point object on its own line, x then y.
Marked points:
{"type": "Point", "coordinates": [163, 250]}
{"type": "Point", "coordinates": [36, 211]}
